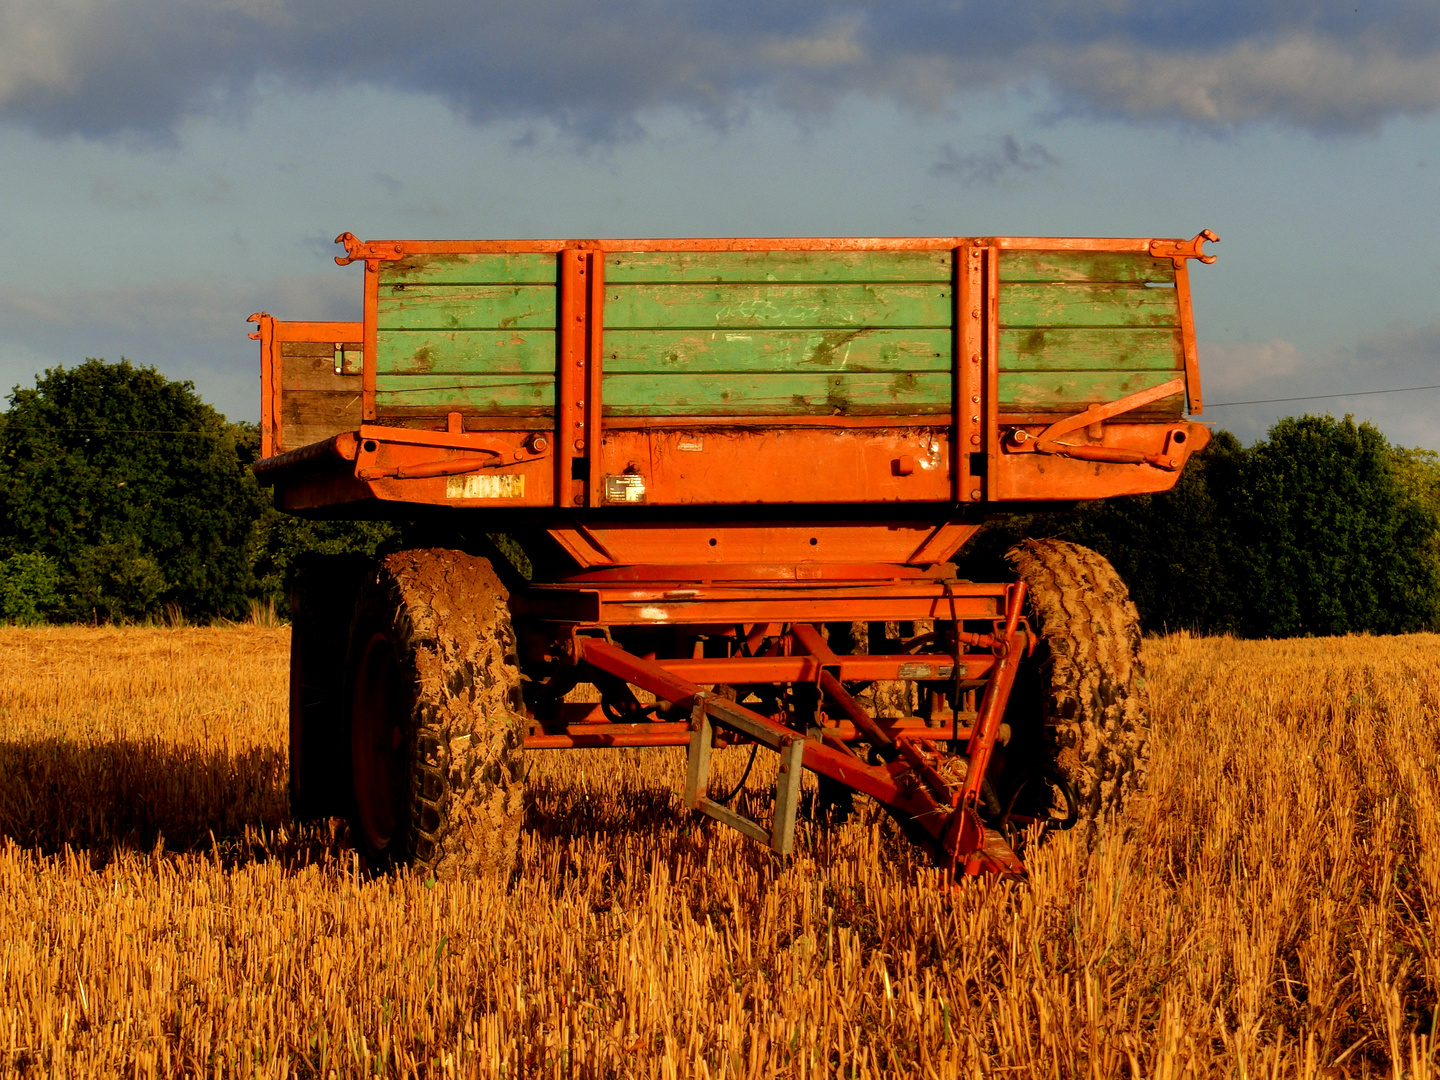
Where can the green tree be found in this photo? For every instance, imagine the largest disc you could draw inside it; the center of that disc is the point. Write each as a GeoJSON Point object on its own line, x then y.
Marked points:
{"type": "Point", "coordinates": [29, 587]}
{"type": "Point", "coordinates": [1333, 541]}
{"type": "Point", "coordinates": [134, 487]}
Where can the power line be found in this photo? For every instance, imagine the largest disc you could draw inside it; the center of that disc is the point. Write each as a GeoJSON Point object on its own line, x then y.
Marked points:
{"type": "Point", "coordinates": [1318, 397]}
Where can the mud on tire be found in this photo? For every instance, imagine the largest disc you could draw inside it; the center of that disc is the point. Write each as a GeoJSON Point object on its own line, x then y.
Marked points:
{"type": "Point", "coordinates": [434, 715]}
{"type": "Point", "coordinates": [1084, 689]}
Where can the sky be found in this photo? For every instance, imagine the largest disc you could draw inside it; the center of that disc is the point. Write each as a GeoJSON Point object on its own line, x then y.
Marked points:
{"type": "Point", "coordinates": [169, 166]}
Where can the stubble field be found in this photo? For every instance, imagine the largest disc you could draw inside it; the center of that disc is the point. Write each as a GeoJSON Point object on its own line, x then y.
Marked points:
{"type": "Point", "coordinates": [1270, 909]}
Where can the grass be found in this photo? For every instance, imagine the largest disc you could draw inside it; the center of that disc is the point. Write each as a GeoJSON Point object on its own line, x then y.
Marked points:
{"type": "Point", "coordinates": [1269, 909]}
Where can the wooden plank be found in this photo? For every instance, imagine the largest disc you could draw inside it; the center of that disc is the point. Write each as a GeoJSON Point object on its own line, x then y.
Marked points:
{"type": "Point", "coordinates": [746, 350]}
{"type": "Point", "coordinates": [777, 266]}
{"type": "Point", "coordinates": [316, 373]}
{"type": "Point", "coordinates": [492, 352]}
{"type": "Point", "coordinates": [507, 268]}
{"type": "Point", "coordinates": [1087, 305]}
{"type": "Point", "coordinates": [529, 394]}
{"type": "Point", "coordinates": [310, 416]}
{"type": "Point", "coordinates": [776, 306]}
{"type": "Point", "coordinates": [466, 307]}
{"type": "Point", "coordinates": [1072, 391]}
{"type": "Point", "coordinates": [1068, 349]}
{"type": "Point", "coordinates": [1103, 266]}
{"type": "Point", "coordinates": [900, 394]}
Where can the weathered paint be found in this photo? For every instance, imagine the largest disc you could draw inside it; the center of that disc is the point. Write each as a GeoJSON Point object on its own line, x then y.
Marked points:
{"type": "Point", "coordinates": [1080, 349]}
{"type": "Point", "coordinates": [777, 394]}
{"type": "Point", "coordinates": [840, 306]}
{"type": "Point", "coordinates": [1088, 304]}
{"type": "Point", "coordinates": [1104, 266]}
{"type": "Point", "coordinates": [489, 269]}
{"type": "Point", "coordinates": [464, 352]}
{"type": "Point", "coordinates": [523, 394]}
{"type": "Point", "coordinates": [1071, 391]}
{"type": "Point", "coordinates": [673, 267]}
{"type": "Point", "coordinates": [466, 307]}
{"type": "Point", "coordinates": [715, 351]}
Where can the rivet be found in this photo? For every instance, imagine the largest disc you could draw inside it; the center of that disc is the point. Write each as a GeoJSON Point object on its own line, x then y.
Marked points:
{"type": "Point", "coordinates": [579, 444]}
{"type": "Point", "coordinates": [975, 398]}
{"type": "Point", "coordinates": [975, 439]}
{"type": "Point", "coordinates": [974, 419]}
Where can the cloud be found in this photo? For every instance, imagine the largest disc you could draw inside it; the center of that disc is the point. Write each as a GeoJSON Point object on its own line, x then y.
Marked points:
{"type": "Point", "coordinates": [1268, 380]}
{"type": "Point", "coordinates": [1006, 159]}
{"type": "Point", "coordinates": [593, 67]}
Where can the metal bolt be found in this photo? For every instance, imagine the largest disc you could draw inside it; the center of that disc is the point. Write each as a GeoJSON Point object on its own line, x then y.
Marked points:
{"type": "Point", "coordinates": [975, 439]}
{"type": "Point", "coordinates": [974, 419]}
{"type": "Point", "coordinates": [975, 398]}
{"type": "Point", "coordinates": [975, 494]}
{"type": "Point", "coordinates": [579, 444]}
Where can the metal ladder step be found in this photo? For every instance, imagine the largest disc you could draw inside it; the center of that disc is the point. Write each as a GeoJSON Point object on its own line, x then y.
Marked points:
{"type": "Point", "coordinates": [781, 835]}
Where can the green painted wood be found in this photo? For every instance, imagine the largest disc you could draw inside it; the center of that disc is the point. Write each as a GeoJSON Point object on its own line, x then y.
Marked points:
{"type": "Point", "coordinates": [776, 306]}
{"type": "Point", "coordinates": [498, 269]}
{"type": "Point", "coordinates": [674, 267]}
{"type": "Point", "coordinates": [1071, 391]}
{"type": "Point", "coordinates": [1106, 266]}
{"type": "Point", "coordinates": [1087, 305]}
{"type": "Point", "coordinates": [902, 393]}
{"type": "Point", "coordinates": [494, 352]}
{"type": "Point", "coordinates": [1066, 349]}
{"type": "Point", "coordinates": [486, 393]}
{"type": "Point", "coordinates": [466, 307]}
{"type": "Point", "coordinates": [714, 351]}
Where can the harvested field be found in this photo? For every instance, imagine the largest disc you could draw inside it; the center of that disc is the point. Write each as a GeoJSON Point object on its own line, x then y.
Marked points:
{"type": "Point", "coordinates": [1269, 910]}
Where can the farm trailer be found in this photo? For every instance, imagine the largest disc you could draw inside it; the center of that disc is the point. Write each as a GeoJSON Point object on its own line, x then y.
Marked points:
{"type": "Point", "coordinates": [721, 483]}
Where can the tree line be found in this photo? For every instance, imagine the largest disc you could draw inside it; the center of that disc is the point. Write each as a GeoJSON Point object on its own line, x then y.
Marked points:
{"type": "Point", "coordinates": [124, 497]}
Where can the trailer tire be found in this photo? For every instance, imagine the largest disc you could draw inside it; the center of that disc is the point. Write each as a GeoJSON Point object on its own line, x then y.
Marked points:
{"type": "Point", "coordinates": [432, 692]}
{"type": "Point", "coordinates": [1079, 708]}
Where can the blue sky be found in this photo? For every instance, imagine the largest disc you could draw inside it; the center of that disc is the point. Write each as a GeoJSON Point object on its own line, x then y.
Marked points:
{"type": "Point", "coordinates": [169, 166]}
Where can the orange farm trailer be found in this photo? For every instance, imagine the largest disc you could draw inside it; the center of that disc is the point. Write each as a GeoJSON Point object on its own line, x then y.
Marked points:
{"type": "Point", "coordinates": [717, 485]}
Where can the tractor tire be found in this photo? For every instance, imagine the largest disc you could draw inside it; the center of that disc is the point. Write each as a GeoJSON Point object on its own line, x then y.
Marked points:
{"type": "Point", "coordinates": [1079, 708]}
{"type": "Point", "coordinates": [435, 718]}
{"type": "Point", "coordinates": [322, 601]}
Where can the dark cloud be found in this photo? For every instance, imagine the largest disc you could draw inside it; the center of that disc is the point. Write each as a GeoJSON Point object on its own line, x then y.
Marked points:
{"type": "Point", "coordinates": [591, 67]}
{"type": "Point", "coordinates": [1006, 159]}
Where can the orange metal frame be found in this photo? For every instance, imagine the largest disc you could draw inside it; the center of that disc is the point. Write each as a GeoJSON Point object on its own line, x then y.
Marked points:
{"type": "Point", "coordinates": [915, 491]}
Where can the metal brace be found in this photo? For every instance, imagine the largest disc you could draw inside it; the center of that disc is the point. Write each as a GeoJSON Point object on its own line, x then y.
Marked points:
{"type": "Point", "coordinates": [781, 834]}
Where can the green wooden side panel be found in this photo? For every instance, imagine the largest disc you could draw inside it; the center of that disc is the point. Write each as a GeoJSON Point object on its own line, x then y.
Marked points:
{"type": "Point", "coordinates": [466, 307]}
{"type": "Point", "coordinates": [777, 394]}
{"type": "Point", "coordinates": [1104, 266]}
{"type": "Point", "coordinates": [776, 306]}
{"type": "Point", "coordinates": [1091, 304]}
{"type": "Point", "coordinates": [759, 267]}
{"type": "Point", "coordinates": [466, 352]}
{"type": "Point", "coordinates": [497, 269]}
{"type": "Point", "coordinates": [515, 394]}
{"type": "Point", "coordinates": [666, 352]}
{"type": "Point", "coordinates": [1068, 349]}
{"type": "Point", "coordinates": [1071, 391]}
